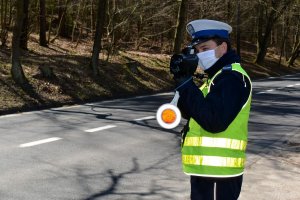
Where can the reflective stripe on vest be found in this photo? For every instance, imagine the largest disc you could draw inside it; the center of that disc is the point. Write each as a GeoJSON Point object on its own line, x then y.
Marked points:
{"type": "Point", "coordinates": [215, 142]}
{"type": "Point", "coordinates": [216, 161]}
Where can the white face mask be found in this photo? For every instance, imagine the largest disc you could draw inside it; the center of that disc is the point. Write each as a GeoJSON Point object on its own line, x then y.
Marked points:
{"type": "Point", "coordinates": [207, 58]}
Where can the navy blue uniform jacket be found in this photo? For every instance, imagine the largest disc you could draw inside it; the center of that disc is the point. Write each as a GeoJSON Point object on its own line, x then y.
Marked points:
{"type": "Point", "coordinates": [227, 96]}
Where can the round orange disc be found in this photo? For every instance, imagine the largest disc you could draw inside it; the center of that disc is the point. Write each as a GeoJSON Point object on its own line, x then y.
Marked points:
{"type": "Point", "coordinates": [168, 116]}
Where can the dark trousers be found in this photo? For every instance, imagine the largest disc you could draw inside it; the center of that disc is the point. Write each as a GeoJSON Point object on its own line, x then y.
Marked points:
{"type": "Point", "coordinates": [203, 188]}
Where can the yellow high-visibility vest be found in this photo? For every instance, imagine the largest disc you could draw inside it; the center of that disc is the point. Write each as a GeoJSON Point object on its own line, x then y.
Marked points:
{"type": "Point", "coordinates": [217, 154]}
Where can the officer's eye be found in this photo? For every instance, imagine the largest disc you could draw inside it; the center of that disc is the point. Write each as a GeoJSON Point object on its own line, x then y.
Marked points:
{"type": "Point", "coordinates": [202, 49]}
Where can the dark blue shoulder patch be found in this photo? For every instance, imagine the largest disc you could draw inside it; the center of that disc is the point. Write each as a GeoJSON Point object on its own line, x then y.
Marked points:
{"type": "Point", "coordinates": [227, 68]}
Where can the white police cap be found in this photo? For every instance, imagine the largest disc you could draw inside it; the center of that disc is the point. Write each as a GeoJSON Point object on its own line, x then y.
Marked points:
{"type": "Point", "coordinates": [205, 29]}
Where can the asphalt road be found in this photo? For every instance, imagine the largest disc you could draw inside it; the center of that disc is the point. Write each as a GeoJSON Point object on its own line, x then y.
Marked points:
{"type": "Point", "coordinates": [116, 150]}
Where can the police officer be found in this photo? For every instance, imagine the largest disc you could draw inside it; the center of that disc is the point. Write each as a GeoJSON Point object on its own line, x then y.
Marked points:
{"type": "Point", "coordinates": [215, 139]}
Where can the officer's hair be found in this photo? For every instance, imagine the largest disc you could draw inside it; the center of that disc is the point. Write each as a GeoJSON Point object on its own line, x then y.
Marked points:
{"type": "Point", "coordinates": [219, 41]}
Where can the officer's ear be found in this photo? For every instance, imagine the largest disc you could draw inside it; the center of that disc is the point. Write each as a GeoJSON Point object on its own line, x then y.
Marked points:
{"type": "Point", "coordinates": [221, 50]}
{"type": "Point", "coordinates": [224, 47]}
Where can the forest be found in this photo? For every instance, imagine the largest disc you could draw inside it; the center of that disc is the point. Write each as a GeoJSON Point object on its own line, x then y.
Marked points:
{"type": "Point", "coordinates": [57, 52]}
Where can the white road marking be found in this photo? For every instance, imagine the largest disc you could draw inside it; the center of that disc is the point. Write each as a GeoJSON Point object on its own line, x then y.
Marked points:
{"type": "Point", "coordinates": [100, 128]}
{"type": "Point", "coordinates": [265, 91]}
{"type": "Point", "coordinates": [277, 88]}
{"type": "Point", "coordinates": [40, 142]}
{"type": "Point", "coordinates": [261, 92]}
{"type": "Point", "coordinates": [9, 115]}
{"type": "Point", "coordinates": [145, 118]}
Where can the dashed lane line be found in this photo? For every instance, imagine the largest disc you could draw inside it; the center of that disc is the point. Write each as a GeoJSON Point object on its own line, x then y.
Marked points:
{"type": "Point", "coordinates": [265, 91]}
{"type": "Point", "coordinates": [145, 118]}
{"type": "Point", "coordinates": [38, 142]}
{"type": "Point", "coordinates": [271, 90]}
{"type": "Point", "coordinates": [100, 128]}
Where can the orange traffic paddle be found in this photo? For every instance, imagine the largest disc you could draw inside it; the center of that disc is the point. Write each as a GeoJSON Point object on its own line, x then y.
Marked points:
{"type": "Point", "coordinates": [168, 115]}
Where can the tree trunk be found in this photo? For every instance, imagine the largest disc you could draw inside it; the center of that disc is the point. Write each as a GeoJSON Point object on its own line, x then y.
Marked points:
{"type": "Point", "coordinates": [295, 54]}
{"type": "Point", "coordinates": [4, 22]}
{"type": "Point", "coordinates": [111, 28]}
{"type": "Point", "coordinates": [24, 33]}
{"type": "Point", "coordinates": [102, 4]}
{"type": "Point", "coordinates": [180, 27]}
{"type": "Point", "coordinates": [284, 36]}
{"type": "Point", "coordinates": [50, 25]}
{"type": "Point", "coordinates": [264, 38]}
{"type": "Point", "coordinates": [92, 18]}
{"type": "Point", "coordinates": [62, 12]}
{"type": "Point", "coordinates": [261, 50]}
{"type": "Point", "coordinates": [81, 4]}
{"type": "Point", "coordinates": [238, 31]}
{"type": "Point", "coordinates": [229, 10]}
{"type": "Point", "coordinates": [2, 13]}
{"type": "Point", "coordinates": [2, 10]}
{"type": "Point", "coordinates": [16, 68]}
{"type": "Point", "coordinates": [43, 40]}
{"type": "Point", "coordinates": [62, 28]}
{"type": "Point", "coordinates": [296, 46]}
